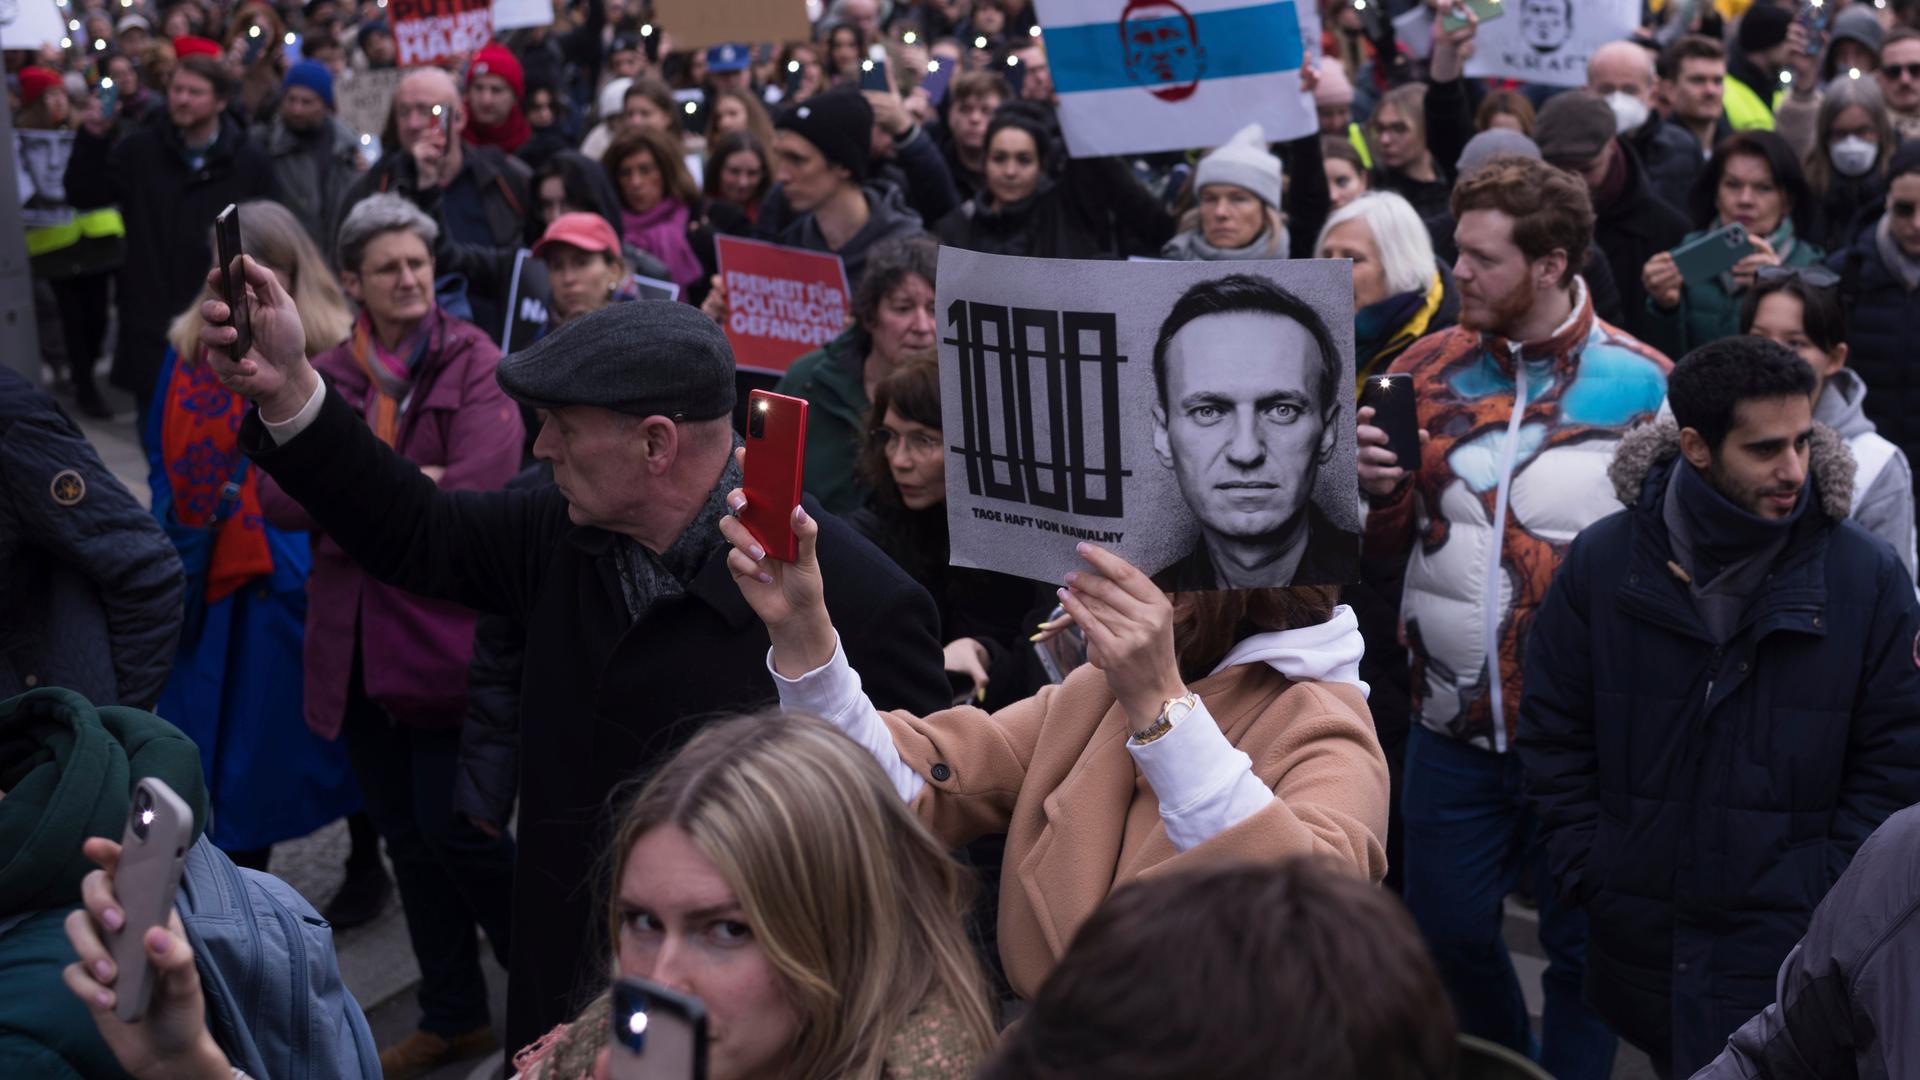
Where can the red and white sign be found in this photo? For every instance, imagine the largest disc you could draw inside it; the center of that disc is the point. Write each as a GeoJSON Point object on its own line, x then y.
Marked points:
{"type": "Point", "coordinates": [429, 31]}
{"type": "Point", "coordinates": [782, 302]}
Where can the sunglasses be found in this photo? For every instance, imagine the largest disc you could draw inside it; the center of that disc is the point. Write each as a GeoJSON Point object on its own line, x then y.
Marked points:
{"type": "Point", "coordinates": [1901, 71]}
{"type": "Point", "coordinates": [1813, 277]}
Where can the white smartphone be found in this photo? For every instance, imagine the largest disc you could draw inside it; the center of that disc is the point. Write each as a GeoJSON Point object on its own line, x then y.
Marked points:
{"type": "Point", "coordinates": [153, 851]}
{"type": "Point", "coordinates": [658, 1034]}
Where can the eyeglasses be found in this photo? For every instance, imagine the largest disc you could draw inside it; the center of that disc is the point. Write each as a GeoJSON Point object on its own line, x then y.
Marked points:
{"type": "Point", "coordinates": [1814, 277]}
{"type": "Point", "coordinates": [1901, 71]}
{"type": "Point", "coordinates": [920, 445]}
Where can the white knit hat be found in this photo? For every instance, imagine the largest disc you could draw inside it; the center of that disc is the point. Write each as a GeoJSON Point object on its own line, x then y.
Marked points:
{"type": "Point", "coordinates": [1244, 162]}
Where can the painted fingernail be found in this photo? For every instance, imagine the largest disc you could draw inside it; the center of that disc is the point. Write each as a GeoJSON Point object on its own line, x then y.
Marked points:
{"type": "Point", "coordinates": [103, 998]}
{"type": "Point", "coordinates": [799, 515]}
{"type": "Point", "coordinates": [735, 504]}
{"type": "Point", "coordinates": [1061, 593]}
{"type": "Point", "coordinates": [103, 969]}
{"type": "Point", "coordinates": [1035, 638]}
{"type": "Point", "coordinates": [112, 918]}
{"type": "Point", "coordinates": [756, 552]}
{"type": "Point", "coordinates": [1083, 547]}
{"type": "Point", "coordinates": [764, 578]}
{"type": "Point", "coordinates": [1073, 576]}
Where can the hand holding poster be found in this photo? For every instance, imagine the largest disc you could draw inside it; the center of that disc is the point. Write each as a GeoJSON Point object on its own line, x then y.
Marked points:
{"type": "Point", "coordinates": [782, 302]}
{"type": "Point", "coordinates": [428, 31]}
{"type": "Point", "coordinates": [1150, 75]}
{"type": "Point", "coordinates": [1548, 41]}
{"type": "Point", "coordinates": [1197, 418]}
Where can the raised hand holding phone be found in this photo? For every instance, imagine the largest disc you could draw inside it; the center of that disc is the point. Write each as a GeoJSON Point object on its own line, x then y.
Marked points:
{"type": "Point", "coordinates": [274, 374]}
{"type": "Point", "coordinates": [226, 240]}
{"type": "Point", "coordinates": [658, 1034]}
{"type": "Point", "coordinates": [775, 464]}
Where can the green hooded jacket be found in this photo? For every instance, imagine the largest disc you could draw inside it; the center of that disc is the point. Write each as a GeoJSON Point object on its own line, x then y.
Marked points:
{"type": "Point", "coordinates": [832, 381]}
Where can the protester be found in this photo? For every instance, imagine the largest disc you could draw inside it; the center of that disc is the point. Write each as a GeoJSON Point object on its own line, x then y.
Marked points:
{"type": "Point", "coordinates": [386, 671]}
{"type": "Point", "coordinates": [1624, 75]}
{"type": "Point", "coordinates": [738, 177]}
{"type": "Point", "coordinates": [657, 199]}
{"type": "Point", "coordinates": [584, 268]}
{"type": "Point", "coordinates": [1400, 292]}
{"type": "Point", "coordinates": [1403, 164]}
{"type": "Point", "coordinates": [255, 40]}
{"type": "Point", "coordinates": [1237, 215]}
{"type": "Point", "coordinates": [1347, 175]}
{"type": "Point", "coordinates": [1754, 181]}
{"type": "Point", "coordinates": [821, 152]}
{"type": "Point", "coordinates": [1899, 76]}
{"type": "Point", "coordinates": [1727, 606]}
{"type": "Point", "coordinates": [232, 688]}
{"type": "Point", "coordinates": [1298, 771]}
{"type": "Point", "coordinates": [1330, 983]}
{"type": "Point", "coordinates": [550, 124]}
{"type": "Point", "coordinates": [1801, 309]}
{"type": "Point", "coordinates": [1765, 42]}
{"type": "Point", "coordinates": [610, 114]}
{"type": "Point", "coordinates": [893, 319]}
{"type": "Point", "coordinates": [836, 915]}
{"type": "Point", "coordinates": [495, 85]}
{"type": "Point", "coordinates": [1693, 73]}
{"type": "Point", "coordinates": [903, 154]}
{"type": "Point", "coordinates": [169, 178]}
{"type": "Point", "coordinates": [1521, 226]}
{"type": "Point", "coordinates": [739, 110]}
{"type": "Point", "coordinates": [315, 156]}
{"type": "Point", "coordinates": [972, 99]}
{"type": "Point", "coordinates": [1507, 109]}
{"type": "Point", "coordinates": [1852, 53]}
{"type": "Point", "coordinates": [639, 399]}
{"type": "Point", "coordinates": [1847, 165]}
{"type": "Point", "coordinates": [1333, 101]}
{"type": "Point", "coordinates": [1862, 932]}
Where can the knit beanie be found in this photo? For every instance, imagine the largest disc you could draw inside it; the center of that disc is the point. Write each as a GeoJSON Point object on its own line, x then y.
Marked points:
{"type": "Point", "coordinates": [1861, 25]}
{"type": "Point", "coordinates": [1333, 88]}
{"type": "Point", "coordinates": [34, 84]}
{"type": "Point", "coordinates": [1763, 27]}
{"type": "Point", "coordinates": [494, 59]}
{"type": "Point", "coordinates": [312, 75]}
{"type": "Point", "coordinates": [189, 45]}
{"type": "Point", "coordinates": [1493, 143]}
{"type": "Point", "coordinates": [839, 124]}
{"type": "Point", "coordinates": [1033, 118]}
{"type": "Point", "coordinates": [1243, 161]}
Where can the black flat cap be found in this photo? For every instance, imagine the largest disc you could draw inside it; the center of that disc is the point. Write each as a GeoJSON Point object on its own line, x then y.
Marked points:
{"type": "Point", "coordinates": [641, 357]}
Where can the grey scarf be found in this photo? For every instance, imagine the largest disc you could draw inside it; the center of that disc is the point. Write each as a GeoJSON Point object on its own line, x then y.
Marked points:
{"type": "Point", "coordinates": [646, 578]}
{"type": "Point", "coordinates": [1901, 265]}
{"type": "Point", "coordinates": [1192, 246]}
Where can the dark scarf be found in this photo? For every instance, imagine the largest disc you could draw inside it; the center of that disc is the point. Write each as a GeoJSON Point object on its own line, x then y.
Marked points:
{"type": "Point", "coordinates": [1725, 549]}
{"type": "Point", "coordinates": [1615, 184]}
{"type": "Point", "coordinates": [646, 577]}
{"type": "Point", "coordinates": [1382, 330]}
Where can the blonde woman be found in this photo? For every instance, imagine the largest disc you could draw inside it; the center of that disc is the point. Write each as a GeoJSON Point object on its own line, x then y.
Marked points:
{"type": "Point", "coordinates": [235, 687]}
{"type": "Point", "coordinates": [770, 870]}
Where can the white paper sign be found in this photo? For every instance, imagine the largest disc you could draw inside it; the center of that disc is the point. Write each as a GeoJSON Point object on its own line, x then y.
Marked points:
{"type": "Point", "coordinates": [1548, 41]}
{"type": "Point", "coordinates": [29, 24]}
{"type": "Point", "coordinates": [515, 14]}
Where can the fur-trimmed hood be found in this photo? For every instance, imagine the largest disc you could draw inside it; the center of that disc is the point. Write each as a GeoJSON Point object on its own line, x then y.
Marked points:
{"type": "Point", "coordinates": [1658, 441]}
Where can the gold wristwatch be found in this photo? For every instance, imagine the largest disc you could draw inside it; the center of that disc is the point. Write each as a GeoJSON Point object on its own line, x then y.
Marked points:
{"type": "Point", "coordinates": [1172, 711]}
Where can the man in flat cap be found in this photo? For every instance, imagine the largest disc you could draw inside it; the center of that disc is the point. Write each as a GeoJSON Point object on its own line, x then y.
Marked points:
{"type": "Point", "coordinates": [634, 626]}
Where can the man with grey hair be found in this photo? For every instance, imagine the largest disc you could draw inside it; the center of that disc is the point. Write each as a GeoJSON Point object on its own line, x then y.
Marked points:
{"type": "Point", "coordinates": [634, 625]}
{"type": "Point", "coordinates": [1622, 73]}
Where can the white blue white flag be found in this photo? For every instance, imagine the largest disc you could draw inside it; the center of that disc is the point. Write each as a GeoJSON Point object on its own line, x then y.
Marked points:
{"type": "Point", "coordinates": [1139, 76]}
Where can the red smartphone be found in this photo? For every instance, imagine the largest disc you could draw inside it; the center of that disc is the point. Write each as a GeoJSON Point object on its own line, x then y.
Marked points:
{"type": "Point", "coordinates": [776, 458]}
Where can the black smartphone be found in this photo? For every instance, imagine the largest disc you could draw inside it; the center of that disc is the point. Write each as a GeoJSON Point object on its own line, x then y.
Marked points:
{"type": "Point", "coordinates": [693, 110]}
{"type": "Point", "coordinates": [1016, 74]}
{"type": "Point", "coordinates": [939, 74]}
{"type": "Point", "coordinates": [873, 70]}
{"type": "Point", "coordinates": [233, 282]}
{"type": "Point", "coordinates": [1391, 398]}
{"type": "Point", "coordinates": [658, 1034]}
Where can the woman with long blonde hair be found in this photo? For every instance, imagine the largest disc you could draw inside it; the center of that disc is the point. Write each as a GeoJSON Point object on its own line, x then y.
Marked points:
{"type": "Point", "coordinates": [769, 870]}
{"type": "Point", "coordinates": [235, 687]}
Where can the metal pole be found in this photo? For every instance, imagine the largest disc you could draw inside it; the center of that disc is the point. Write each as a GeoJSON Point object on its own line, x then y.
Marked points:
{"type": "Point", "coordinates": [19, 336]}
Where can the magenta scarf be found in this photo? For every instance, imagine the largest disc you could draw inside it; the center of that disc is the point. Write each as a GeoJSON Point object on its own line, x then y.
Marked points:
{"type": "Point", "coordinates": [662, 233]}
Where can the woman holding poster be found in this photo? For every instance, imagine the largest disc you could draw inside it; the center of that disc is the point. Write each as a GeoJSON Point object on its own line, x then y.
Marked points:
{"type": "Point", "coordinates": [1243, 712]}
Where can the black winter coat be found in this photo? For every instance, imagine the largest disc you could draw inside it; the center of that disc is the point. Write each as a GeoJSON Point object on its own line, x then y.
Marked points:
{"type": "Point", "coordinates": [1632, 229]}
{"type": "Point", "coordinates": [1699, 800]}
{"type": "Point", "coordinates": [1079, 215]}
{"type": "Point", "coordinates": [603, 696]}
{"type": "Point", "coordinates": [169, 210]}
{"type": "Point", "coordinates": [1672, 156]}
{"type": "Point", "coordinates": [1881, 318]}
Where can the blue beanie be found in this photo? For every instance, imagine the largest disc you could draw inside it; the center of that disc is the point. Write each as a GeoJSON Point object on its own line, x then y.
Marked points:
{"type": "Point", "coordinates": [313, 75]}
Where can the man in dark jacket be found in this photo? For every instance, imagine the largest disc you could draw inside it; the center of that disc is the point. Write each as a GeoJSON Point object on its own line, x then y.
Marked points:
{"type": "Point", "coordinates": [1719, 701]}
{"type": "Point", "coordinates": [1693, 76]}
{"type": "Point", "coordinates": [1847, 999]}
{"type": "Point", "coordinates": [822, 149]}
{"type": "Point", "coordinates": [315, 155]}
{"type": "Point", "coordinates": [90, 587]}
{"type": "Point", "coordinates": [1880, 277]}
{"type": "Point", "coordinates": [169, 179]}
{"type": "Point", "coordinates": [477, 195]}
{"type": "Point", "coordinates": [634, 625]}
{"type": "Point", "coordinates": [1575, 131]}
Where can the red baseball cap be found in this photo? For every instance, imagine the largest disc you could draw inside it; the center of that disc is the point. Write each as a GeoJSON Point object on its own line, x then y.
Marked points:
{"type": "Point", "coordinates": [588, 232]}
{"type": "Point", "coordinates": [495, 60]}
{"type": "Point", "coordinates": [34, 84]}
{"type": "Point", "coordinates": [187, 45]}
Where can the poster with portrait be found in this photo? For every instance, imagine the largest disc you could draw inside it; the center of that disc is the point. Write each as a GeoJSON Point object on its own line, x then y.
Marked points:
{"type": "Point", "coordinates": [1548, 41]}
{"type": "Point", "coordinates": [40, 163]}
{"type": "Point", "coordinates": [1141, 76]}
{"type": "Point", "coordinates": [1196, 417]}
{"type": "Point", "coordinates": [429, 31]}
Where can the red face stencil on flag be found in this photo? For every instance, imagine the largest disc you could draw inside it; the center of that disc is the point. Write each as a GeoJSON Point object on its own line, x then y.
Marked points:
{"type": "Point", "coordinates": [1163, 51]}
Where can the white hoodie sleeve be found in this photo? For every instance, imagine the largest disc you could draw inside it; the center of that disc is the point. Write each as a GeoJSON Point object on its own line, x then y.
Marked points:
{"type": "Point", "coordinates": [1205, 786]}
{"type": "Point", "coordinates": [832, 692]}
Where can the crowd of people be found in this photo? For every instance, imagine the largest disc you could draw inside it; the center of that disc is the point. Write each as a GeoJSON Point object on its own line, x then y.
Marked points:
{"type": "Point", "coordinates": [453, 549]}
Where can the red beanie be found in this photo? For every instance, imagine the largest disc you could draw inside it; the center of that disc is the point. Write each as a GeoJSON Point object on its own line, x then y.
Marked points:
{"type": "Point", "coordinates": [495, 60]}
{"type": "Point", "coordinates": [187, 45]}
{"type": "Point", "coordinates": [34, 84]}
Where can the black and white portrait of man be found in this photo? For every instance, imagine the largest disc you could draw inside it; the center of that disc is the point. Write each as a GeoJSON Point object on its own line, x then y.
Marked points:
{"type": "Point", "coordinates": [1247, 412]}
{"type": "Point", "coordinates": [1546, 25]}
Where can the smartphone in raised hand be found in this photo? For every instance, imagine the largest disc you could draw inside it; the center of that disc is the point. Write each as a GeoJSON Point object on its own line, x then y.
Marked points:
{"type": "Point", "coordinates": [153, 851]}
{"type": "Point", "coordinates": [1391, 398]}
{"type": "Point", "coordinates": [233, 278]}
{"type": "Point", "coordinates": [873, 70]}
{"type": "Point", "coordinates": [1713, 254]}
{"type": "Point", "coordinates": [776, 461]}
{"type": "Point", "coordinates": [658, 1034]}
{"type": "Point", "coordinates": [1483, 10]}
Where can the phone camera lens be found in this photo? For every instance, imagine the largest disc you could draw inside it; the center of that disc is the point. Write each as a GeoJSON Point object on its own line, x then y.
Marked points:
{"type": "Point", "coordinates": [142, 811]}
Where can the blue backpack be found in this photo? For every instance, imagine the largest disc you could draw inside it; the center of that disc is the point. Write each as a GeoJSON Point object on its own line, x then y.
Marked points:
{"type": "Point", "coordinates": [275, 1002]}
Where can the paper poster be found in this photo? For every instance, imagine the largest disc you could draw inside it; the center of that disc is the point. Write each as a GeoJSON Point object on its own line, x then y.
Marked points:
{"type": "Point", "coordinates": [364, 98]}
{"type": "Point", "coordinates": [1196, 417]}
{"type": "Point", "coordinates": [40, 160]}
{"type": "Point", "coordinates": [1548, 41]}
{"type": "Point", "coordinates": [1151, 75]}
{"type": "Point", "coordinates": [428, 31]}
{"type": "Point", "coordinates": [782, 302]}
{"type": "Point", "coordinates": [29, 24]}
{"type": "Point", "coordinates": [696, 24]}
{"type": "Point", "coordinates": [516, 14]}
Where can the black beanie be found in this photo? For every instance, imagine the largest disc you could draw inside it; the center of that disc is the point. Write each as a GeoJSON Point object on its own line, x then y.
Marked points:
{"type": "Point", "coordinates": [839, 124]}
{"type": "Point", "coordinates": [1031, 117]}
{"type": "Point", "coordinates": [1763, 27]}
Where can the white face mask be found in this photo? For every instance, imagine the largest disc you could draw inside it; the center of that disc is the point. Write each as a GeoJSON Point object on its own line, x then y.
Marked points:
{"type": "Point", "coordinates": [1853, 155]}
{"type": "Point", "coordinates": [1629, 112]}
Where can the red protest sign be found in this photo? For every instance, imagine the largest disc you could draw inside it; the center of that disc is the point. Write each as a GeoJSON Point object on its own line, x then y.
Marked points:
{"type": "Point", "coordinates": [429, 31]}
{"type": "Point", "coordinates": [782, 302]}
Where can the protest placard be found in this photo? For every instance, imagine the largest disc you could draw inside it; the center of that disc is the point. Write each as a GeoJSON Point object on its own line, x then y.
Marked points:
{"type": "Point", "coordinates": [1548, 41]}
{"type": "Point", "coordinates": [782, 302]}
{"type": "Point", "coordinates": [29, 24]}
{"type": "Point", "coordinates": [516, 14]}
{"type": "Point", "coordinates": [696, 24]}
{"type": "Point", "coordinates": [428, 31]}
{"type": "Point", "coordinates": [40, 169]}
{"type": "Point", "coordinates": [1195, 417]}
{"type": "Point", "coordinates": [1151, 75]}
{"type": "Point", "coordinates": [364, 97]}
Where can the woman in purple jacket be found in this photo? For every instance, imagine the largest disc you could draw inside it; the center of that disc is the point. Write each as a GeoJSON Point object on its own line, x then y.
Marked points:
{"type": "Point", "coordinates": [387, 669]}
